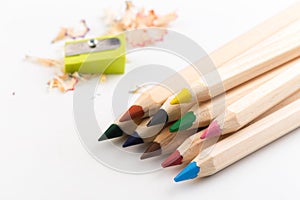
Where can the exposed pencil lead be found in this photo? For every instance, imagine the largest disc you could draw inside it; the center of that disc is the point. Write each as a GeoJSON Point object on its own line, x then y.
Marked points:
{"type": "Point", "coordinates": [184, 122]}
{"type": "Point", "coordinates": [189, 172]}
{"type": "Point", "coordinates": [113, 131]}
{"type": "Point", "coordinates": [154, 149]}
{"type": "Point", "coordinates": [133, 112]}
{"type": "Point", "coordinates": [184, 96]}
{"type": "Point", "coordinates": [174, 159]}
{"type": "Point", "coordinates": [133, 139]}
{"type": "Point", "coordinates": [161, 117]}
{"type": "Point", "coordinates": [213, 130]}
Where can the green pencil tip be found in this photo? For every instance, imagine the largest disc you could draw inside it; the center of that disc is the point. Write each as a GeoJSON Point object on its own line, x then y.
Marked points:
{"type": "Point", "coordinates": [113, 131]}
{"type": "Point", "coordinates": [184, 123]}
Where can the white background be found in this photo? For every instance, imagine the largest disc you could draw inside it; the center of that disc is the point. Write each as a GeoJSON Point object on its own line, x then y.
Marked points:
{"type": "Point", "coordinates": [41, 153]}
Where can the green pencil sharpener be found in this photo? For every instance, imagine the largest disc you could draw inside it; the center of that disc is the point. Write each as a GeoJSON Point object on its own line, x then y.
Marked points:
{"type": "Point", "coordinates": [99, 55]}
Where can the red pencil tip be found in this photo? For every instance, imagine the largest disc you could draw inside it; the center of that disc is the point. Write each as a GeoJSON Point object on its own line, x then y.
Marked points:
{"type": "Point", "coordinates": [212, 131]}
{"type": "Point", "coordinates": [174, 159]}
{"type": "Point", "coordinates": [133, 112]}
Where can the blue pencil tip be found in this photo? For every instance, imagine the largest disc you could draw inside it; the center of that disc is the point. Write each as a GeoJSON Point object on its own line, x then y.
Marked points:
{"type": "Point", "coordinates": [133, 139]}
{"type": "Point", "coordinates": [189, 172]}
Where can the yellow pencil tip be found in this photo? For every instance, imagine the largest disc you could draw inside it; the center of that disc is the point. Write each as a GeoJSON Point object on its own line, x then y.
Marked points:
{"type": "Point", "coordinates": [184, 96]}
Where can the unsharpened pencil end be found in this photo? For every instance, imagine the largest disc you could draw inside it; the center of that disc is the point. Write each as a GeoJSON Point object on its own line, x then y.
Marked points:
{"type": "Point", "coordinates": [213, 130]}
{"type": "Point", "coordinates": [113, 131]}
{"type": "Point", "coordinates": [161, 117]}
{"type": "Point", "coordinates": [154, 149]}
{"type": "Point", "coordinates": [134, 112]}
{"type": "Point", "coordinates": [189, 172]}
{"type": "Point", "coordinates": [184, 96]}
{"type": "Point", "coordinates": [133, 139]}
{"type": "Point", "coordinates": [184, 123]}
{"type": "Point", "coordinates": [174, 159]}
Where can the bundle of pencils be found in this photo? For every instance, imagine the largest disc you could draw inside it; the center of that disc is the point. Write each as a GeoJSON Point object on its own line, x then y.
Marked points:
{"type": "Point", "coordinates": [259, 102]}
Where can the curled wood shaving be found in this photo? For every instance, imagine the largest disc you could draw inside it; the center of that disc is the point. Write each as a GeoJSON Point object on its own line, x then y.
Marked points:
{"type": "Point", "coordinates": [71, 32]}
{"type": "Point", "coordinates": [45, 61]}
{"type": "Point", "coordinates": [63, 82]}
{"type": "Point", "coordinates": [133, 19]}
{"type": "Point", "coordinates": [142, 37]}
{"type": "Point", "coordinates": [139, 88]}
{"type": "Point", "coordinates": [130, 19]}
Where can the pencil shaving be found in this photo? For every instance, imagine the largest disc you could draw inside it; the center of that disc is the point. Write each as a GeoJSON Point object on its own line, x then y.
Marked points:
{"type": "Point", "coordinates": [134, 19]}
{"type": "Point", "coordinates": [72, 32]}
{"type": "Point", "coordinates": [131, 18]}
{"type": "Point", "coordinates": [45, 61]}
{"type": "Point", "coordinates": [63, 82]}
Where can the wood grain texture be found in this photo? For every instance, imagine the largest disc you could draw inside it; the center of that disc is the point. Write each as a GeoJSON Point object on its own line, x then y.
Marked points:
{"type": "Point", "coordinates": [249, 107]}
{"type": "Point", "coordinates": [154, 97]}
{"type": "Point", "coordinates": [272, 126]}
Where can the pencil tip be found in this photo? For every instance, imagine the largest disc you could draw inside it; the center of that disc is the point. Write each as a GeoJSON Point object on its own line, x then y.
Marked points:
{"type": "Point", "coordinates": [185, 122]}
{"type": "Point", "coordinates": [154, 149]}
{"type": "Point", "coordinates": [189, 172]}
{"type": "Point", "coordinates": [133, 139]}
{"type": "Point", "coordinates": [174, 159]}
{"type": "Point", "coordinates": [184, 96]}
{"type": "Point", "coordinates": [213, 130]}
{"type": "Point", "coordinates": [133, 112]}
{"type": "Point", "coordinates": [113, 131]}
{"type": "Point", "coordinates": [160, 117]}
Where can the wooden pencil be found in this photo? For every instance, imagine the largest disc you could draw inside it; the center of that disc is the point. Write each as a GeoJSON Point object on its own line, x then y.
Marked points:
{"type": "Point", "coordinates": [266, 55]}
{"type": "Point", "coordinates": [193, 145]}
{"type": "Point", "coordinates": [118, 129]}
{"type": "Point", "coordinates": [171, 110]}
{"type": "Point", "coordinates": [244, 142]}
{"type": "Point", "coordinates": [143, 133]}
{"type": "Point", "coordinates": [150, 101]}
{"type": "Point", "coordinates": [249, 107]}
{"type": "Point", "coordinates": [202, 114]}
{"type": "Point", "coordinates": [166, 142]}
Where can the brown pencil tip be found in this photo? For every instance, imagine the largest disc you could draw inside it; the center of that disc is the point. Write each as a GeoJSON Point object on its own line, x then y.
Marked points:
{"type": "Point", "coordinates": [174, 159]}
{"type": "Point", "coordinates": [133, 112]}
{"type": "Point", "coordinates": [154, 149]}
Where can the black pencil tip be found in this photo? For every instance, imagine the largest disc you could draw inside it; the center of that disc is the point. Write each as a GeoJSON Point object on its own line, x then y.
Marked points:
{"type": "Point", "coordinates": [113, 131]}
{"type": "Point", "coordinates": [160, 117]}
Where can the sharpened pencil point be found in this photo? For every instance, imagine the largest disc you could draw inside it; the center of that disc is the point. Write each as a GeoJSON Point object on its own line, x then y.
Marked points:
{"type": "Point", "coordinates": [161, 117]}
{"type": "Point", "coordinates": [174, 159]}
{"type": "Point", "coordinates": [134, 112]}
{"type": "Point", "coordinates": [184, 123]}
{"type": "Point", "coordinates": [154, 149]}
{"type": "Point", "coordinates": [189, 172]}
{"type": "Point", "coordinates": [184, 96]}
{"type": "Point", "coordinates": [113, 131]}
{"type": "Point", "coordinates": [213, 130]}
{"type": "Point", "coordinates": [133, 139]}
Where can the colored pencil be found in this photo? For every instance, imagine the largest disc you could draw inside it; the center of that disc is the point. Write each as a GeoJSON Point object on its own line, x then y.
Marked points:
{"type": "Point", "coordinates": [166, 142]}
{"type": "Point", "coordinates": [189, 149]}
{"type": "Point", "coordinates": [244, 142]}
{"type": "Point", "coordinates": [150, 101]}
{"type": "Point", "coordinates": [143, 134]}
{"type": "Point", "coordinates": [202, 114]}
{"type": "Point", "coordinates": [193, 145]}
{"type": "Point", "coordinates": [266, 55]}
{"type": "Point", "coordinates": [118, 129]}
{"type": "Point", "coordinates": [172, 110]}
{"type": "Point", "coordinates": [249, 107]}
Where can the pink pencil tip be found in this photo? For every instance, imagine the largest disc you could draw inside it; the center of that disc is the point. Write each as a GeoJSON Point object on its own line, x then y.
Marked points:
{"type": "Point", "coordinates": [212, 131]}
